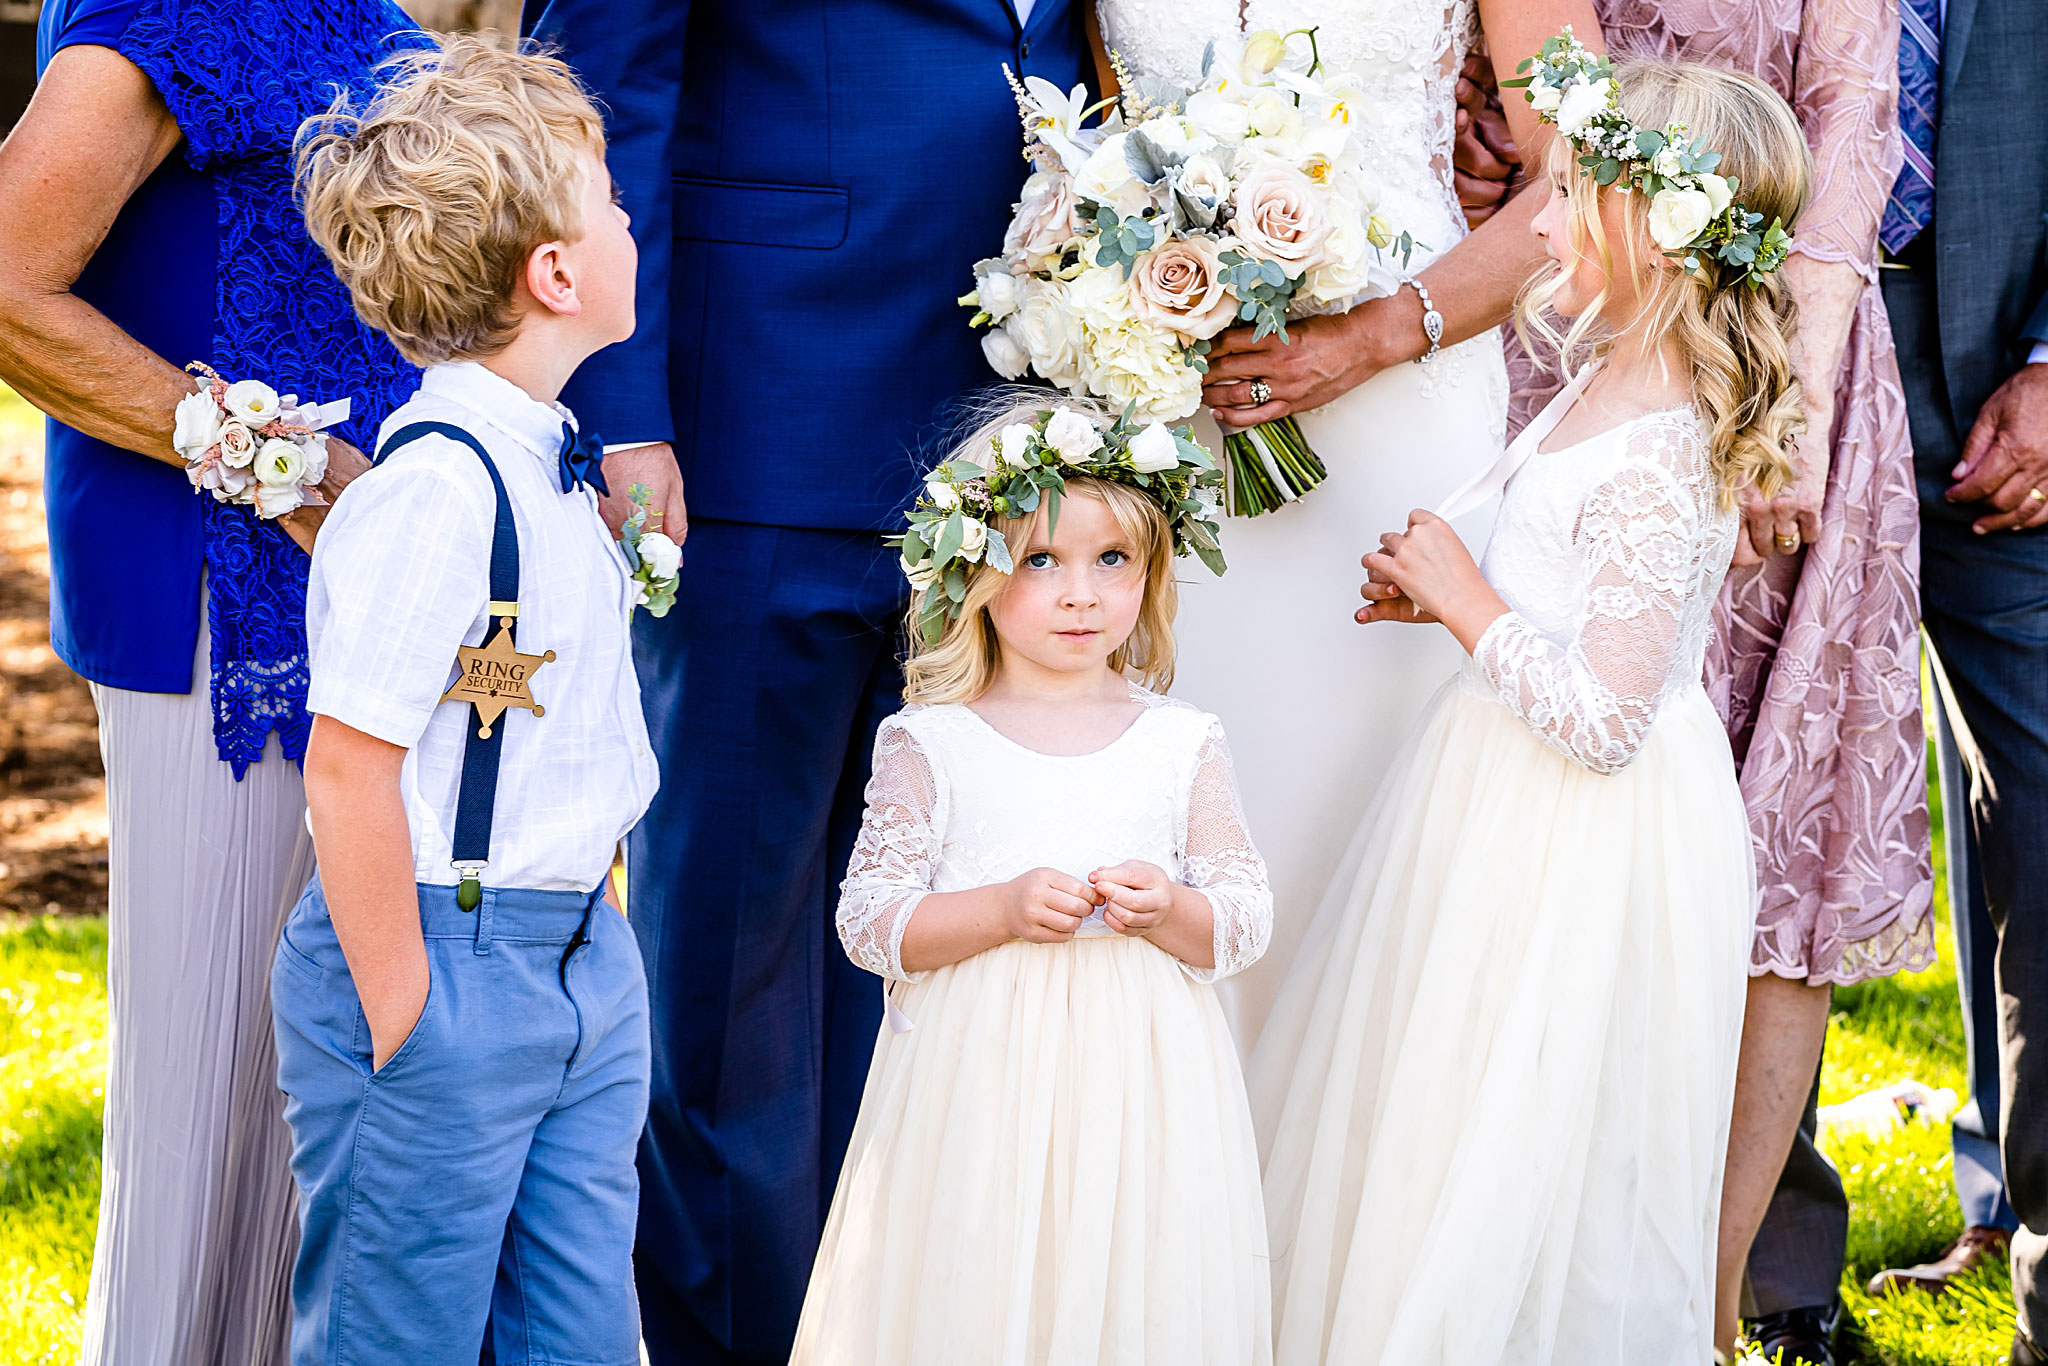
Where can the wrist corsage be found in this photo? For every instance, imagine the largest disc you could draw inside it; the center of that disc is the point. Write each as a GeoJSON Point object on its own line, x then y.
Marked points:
{"type": "Point", "coordinates": [656, 559]}
{"type": "Point", "coordinates": [244, 444]}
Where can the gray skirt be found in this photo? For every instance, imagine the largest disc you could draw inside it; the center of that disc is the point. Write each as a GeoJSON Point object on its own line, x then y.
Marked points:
{"type": "Point", "coordinates": [197, 1224]}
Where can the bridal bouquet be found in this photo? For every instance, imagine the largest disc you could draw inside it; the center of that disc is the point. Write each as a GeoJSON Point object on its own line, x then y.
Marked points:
{"type": "Point", "coordinates": [1138, 238]}
{"type": "Point", "coordinates": [244, 444]}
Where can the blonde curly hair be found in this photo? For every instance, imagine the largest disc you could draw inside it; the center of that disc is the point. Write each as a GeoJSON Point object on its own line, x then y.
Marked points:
{"type": "Point", "coordinates": [1736, 340]}
{"type": "Point", "coordinates": [430, 198]}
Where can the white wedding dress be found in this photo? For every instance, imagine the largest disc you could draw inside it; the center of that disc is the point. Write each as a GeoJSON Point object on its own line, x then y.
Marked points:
{"type": "Point", "coordinates": [1493, 1096]}
{"type": "Point", "coordinates": [1316, 704]}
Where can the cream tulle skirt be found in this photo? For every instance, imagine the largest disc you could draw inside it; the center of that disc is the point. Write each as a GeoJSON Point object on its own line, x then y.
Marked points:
{"type": "Point", "coordinates": [1493, 1097]}
{"type": "Point", "coordinates": [1055, 1165]}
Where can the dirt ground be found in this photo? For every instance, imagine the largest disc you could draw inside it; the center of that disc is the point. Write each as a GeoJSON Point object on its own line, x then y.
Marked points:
{"type": "Point", "coordinates": [53, 810]}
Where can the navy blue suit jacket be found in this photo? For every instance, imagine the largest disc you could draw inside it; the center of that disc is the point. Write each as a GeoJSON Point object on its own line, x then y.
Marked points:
{"type": "Point", "coordinates": [810, 183]}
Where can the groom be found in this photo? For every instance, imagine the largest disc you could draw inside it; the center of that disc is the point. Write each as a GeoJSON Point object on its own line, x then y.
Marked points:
{"type": "Point", "coordinates": [810, 182]}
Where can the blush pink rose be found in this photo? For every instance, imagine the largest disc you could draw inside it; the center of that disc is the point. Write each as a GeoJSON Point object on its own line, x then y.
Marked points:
{"type": "Point", "coordinates": [1180, 287]}
{"type": "Point", "coordinates": [1281, 217]}
{"type": "Point", "coordinates": [1044, 223]}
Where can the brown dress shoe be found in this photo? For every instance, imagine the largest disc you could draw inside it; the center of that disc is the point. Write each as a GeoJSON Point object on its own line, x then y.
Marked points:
{"type": "Point", "coordinates": [1963, 1255]}
{"type": "Point", "coordinates": [2023, 1353]}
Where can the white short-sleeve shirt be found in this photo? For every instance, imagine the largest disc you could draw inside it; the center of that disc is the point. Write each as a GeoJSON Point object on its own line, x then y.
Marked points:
{"type": "Point", "coordinates": [400, 580]}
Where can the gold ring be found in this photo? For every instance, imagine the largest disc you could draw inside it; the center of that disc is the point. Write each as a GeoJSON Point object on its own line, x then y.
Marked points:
{"type": "Point", "coordinates": [2037, 495]}
{"type": "Point", "coordinates": [1788, 543]}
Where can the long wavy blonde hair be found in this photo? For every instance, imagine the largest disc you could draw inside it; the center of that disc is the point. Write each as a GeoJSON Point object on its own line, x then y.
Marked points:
{"type": "Point", "coordinates": [1736, 341]}
{"type": "Point", "coordinates": [964, 663]}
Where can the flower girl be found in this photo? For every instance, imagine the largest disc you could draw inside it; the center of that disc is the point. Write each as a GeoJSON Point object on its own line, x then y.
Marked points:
{"type": "Point", "coordinates": [1495, 1095]}
{"type": "Point", "coordinates": [1054, 1159]}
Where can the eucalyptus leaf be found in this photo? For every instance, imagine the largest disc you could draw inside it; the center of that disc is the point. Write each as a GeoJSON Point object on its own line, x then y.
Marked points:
{"type": "Point", "coordinates": [950, 537]}
{"type": "Point", "coordinates": [998, 552]}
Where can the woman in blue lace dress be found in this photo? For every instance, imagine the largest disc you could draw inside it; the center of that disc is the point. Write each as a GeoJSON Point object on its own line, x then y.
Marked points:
{"type": "Point", "coordinates": [147, 220]}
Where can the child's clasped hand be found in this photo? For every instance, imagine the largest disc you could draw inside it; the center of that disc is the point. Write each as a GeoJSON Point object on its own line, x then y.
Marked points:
{"type": "Point", "coordinates": [1137, 897]}
{"type": "Point", "coordinates": [1046, 906]}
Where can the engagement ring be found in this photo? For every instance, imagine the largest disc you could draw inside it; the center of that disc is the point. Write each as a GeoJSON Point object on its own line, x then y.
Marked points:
{"type": "Point", "coordinates": [1262, 393]}
{"type": "Point", "coordinates": [2037, 495]}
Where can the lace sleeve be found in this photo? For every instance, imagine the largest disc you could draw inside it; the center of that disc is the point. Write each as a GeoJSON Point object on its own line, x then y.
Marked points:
{"type": "Point", "coordinates": [894, 858]}
{"type": "Point", "coordinates": [1845, 86]}
{"type": "Point", "coordinates": [1218, 860]}
{"type": "Point", "coordinates": [1639, 539]}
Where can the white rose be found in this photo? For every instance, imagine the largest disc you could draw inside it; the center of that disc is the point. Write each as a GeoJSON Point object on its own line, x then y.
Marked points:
{"type": "Point", "coordinates": [1718, 192]}
{"type": "Point", "coordinates": [662, 556]}
{"type": "Point", "coordinates": [1282, 216]}
{"type": "Point", "coordinates": [1179, 286]}
{"type": "Point", "coordinates": [280, 463]}
{"type": "Point", "coordinates": [997, 293]}
{"type": "Point", "coordinates": [1044, 222]}
{"type": "Point", "coordinates": [1220, 116]}
{"type": "Point", "coordinates": [1677, 216]}
{"type": "Point", "coordinates": [1154, 449]}
{"type": "Point", "coordinates": [923, 574]}
{"type": "Point", "coordinates": [1045, 326]}
{"type": "Point", "coordinates": [973, 537]}
{"type": "Point", "coordinates": [1202, 180]}
{"type": "Point", "coordinates": [197, 426]}
{"type": "Point", "coordinates": [315, 451]}
{"type": "Point", "coordinates": [1011, 442]}
{"type": "Point", "coordinates": [1100, 296]}
{"type": "Point", "coordinates": [1580, 103]}
{"type": "Point", "coordinates": [275, 500]}
{"type": "Point", "coordinates": [251, 400]}
{"type": "Point", "coordinates": [1543, 98]}
{"type": "Point", "coordinates": [1005, 357]}
{"type": "Point", "coordinates": [237, 444]}
{"type": "Point", "coordinates": [1106, 179]}
{"type": "Point", "coordinates": [942, 494]}
{"type": "Point", "coordinates": [1072, 435]}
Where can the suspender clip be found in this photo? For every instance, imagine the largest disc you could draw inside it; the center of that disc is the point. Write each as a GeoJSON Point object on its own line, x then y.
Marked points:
{"type": "Point", "coordinates": [469, 892]}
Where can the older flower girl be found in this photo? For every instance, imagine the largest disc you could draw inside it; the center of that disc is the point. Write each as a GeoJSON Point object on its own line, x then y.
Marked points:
{"type": "Point", "coordinates": [1495, 1094]}
{"type": "Point", "coordinates": [1054, 1159]}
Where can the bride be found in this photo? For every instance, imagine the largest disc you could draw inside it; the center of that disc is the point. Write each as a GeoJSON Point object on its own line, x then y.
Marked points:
{"type": "Point", "coordinates": [1316, 705]}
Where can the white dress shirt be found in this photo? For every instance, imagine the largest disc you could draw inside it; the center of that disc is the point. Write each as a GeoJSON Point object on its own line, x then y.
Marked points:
{"type": "Point", "coordinates": [401, 578]}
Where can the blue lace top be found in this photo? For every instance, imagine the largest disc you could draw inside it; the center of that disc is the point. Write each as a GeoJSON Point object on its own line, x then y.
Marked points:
{"type": "Point", "coordinates": [210, 261]}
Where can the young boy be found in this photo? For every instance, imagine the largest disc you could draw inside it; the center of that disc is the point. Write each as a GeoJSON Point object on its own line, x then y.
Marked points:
{"type": "Point", "coordinates": [461, 1017]}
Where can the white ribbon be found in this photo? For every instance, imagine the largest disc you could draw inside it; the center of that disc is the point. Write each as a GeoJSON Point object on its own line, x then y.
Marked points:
{"type": "Point", "coordinates": [1483, 487]}
{"type": "Point", "coordinates": [317, 416]}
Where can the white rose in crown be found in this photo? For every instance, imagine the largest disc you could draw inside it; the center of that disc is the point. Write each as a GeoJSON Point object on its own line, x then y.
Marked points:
{"type": "Point", "coordinates": [1154, 450]}
{"type": "Point", "coordinates": [943, 494]}
{"type": "Point", "coordinates": [973, 538]}
{"type": "Point", "coordinates": [1544, 97]}
{"type": "Point", "coordinates": [662, 556]}
{"type": "Point", "coordinates": [1580, 103]}
{"type": "Point", "coordinates": [251, 400]}
{"type": "Point", "coordinates": [1003, 354]}
{"type": "Point", "coordinates": [280, 463]}
{"type": "Point", "coordinates": [1678, 216]}
{"type": "Point", "coordinates": [923, 574]}
{"type": "Point", "coordinates": [197, 426]}
{"type": "Point", "coordinates": [1720, 194]}
{"type": "Point", "coordinates": [237, 444]}
{"type": "Point", "coordinates": [1073, 436]}
{"type": "Point", "coordinates": [1009, 446]}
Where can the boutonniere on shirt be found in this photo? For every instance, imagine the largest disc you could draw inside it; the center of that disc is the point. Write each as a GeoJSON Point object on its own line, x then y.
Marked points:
{"type": "Point", "coordinates": [656, 559]}
{"type": "Point", "coordinates": [243, 443]}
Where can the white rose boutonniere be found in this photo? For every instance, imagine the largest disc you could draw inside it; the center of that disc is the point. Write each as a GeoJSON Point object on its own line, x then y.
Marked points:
{"type": "Point", "coordinates": [1678, 216]}
{"type": "Point", "coordinates": [1073, 436]}
{"type": "Point", "coordinates": [655, 558]}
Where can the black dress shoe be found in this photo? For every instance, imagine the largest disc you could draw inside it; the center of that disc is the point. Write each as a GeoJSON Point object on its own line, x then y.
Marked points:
{"type": "Point", "coordinates": [1797, 1336]}
{"type": "Point", "coordinates": [2023, 1353]}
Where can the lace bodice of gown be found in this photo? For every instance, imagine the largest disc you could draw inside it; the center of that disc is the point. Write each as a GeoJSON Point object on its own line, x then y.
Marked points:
{"type": "Point", "coordinates": [1404, 54]}
{"type": "Point", "coordinates": [954, 805]}
{"type": "Point", "coordinates": [1610, 553]}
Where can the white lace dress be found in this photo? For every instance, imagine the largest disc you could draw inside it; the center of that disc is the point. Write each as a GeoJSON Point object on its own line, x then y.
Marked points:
{"type": "Point", "coordinates": [1493, 1098]}
{"type": "Point", "coordinates": [1316, 704]}
{"type": "Point", "coordinates": [1054, 1160]}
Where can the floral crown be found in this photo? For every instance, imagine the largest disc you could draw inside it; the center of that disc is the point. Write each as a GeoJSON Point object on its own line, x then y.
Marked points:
{"type": "Point", "coordinates": [1693, 211]}
{"type": "Point", "coordinates": [1029, 463]}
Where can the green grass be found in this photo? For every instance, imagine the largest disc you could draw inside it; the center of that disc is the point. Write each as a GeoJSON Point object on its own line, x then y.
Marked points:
{"type": "Point", "coordinates": [53, 1062]}
{"type": "Point", "coordinates": [53, 1058]}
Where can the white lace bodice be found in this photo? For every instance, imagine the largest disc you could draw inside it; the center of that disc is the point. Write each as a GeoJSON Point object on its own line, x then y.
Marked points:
{"type": "Point", "coordinates": [1404, 55]}
{"type": "Point", "coordinates": [1610, 553]}
{"type": "Point", "coordinates": [954, 805]}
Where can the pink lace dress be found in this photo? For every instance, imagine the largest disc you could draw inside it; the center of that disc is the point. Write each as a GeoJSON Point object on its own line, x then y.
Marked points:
{"type": "Point", "coordinates": [1815, 662]}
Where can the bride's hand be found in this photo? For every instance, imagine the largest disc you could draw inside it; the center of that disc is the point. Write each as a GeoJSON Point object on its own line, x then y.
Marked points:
{"type": "Point", "coordinates": [1323, 358]}
{"type": "Point", "coordinates": [1388, 602]}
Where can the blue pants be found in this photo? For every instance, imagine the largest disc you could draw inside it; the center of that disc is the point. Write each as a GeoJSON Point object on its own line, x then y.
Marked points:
{"type": "Point", "coordinates": [473, 1200]}
{"type": "Point", "coordinates": [763, 688]}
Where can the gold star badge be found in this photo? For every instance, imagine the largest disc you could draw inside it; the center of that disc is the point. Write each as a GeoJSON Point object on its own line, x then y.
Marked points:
{"type": "Point", "coordinates": [495, 676]}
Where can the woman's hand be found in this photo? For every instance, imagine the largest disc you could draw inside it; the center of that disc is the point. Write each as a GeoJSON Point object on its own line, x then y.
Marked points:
{"type": "Point", "coordinates": [1483, 158]}
{"type": "Point", "coordinates": [1790, 519]}
{"type": "Point", "coordinates": [1046, 906]}
{"type": "Point", "coordinates": [1828, 292]}
{"type": "Point", "coordinates": [344, 464]}
{"type": "Point", "coordinates": [1137, 896]}
{"type": "Point", "coordinates": [1322, 358]}
{"type": "Point", "coordinates": [1436, 578]}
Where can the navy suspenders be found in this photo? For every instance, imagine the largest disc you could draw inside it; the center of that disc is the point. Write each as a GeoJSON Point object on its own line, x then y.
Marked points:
{"type": "Point", "coordinates": [479, 792]}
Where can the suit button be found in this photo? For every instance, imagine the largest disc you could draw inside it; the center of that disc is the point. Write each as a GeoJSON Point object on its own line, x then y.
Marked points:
{"type": "Point", "coordinates": [1024, 49]}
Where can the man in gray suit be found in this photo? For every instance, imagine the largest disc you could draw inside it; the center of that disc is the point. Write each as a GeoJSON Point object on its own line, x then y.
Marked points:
{"type": "Point", "coordinates": [1969, 307]}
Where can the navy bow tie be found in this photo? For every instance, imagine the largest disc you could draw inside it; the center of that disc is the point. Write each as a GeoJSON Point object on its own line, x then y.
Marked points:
{"type": "Point", "coordinates": [582, 460]}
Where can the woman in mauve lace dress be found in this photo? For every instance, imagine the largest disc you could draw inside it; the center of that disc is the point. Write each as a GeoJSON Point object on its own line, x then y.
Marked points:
{"type": "Point", "coordinates": [1815, 663]}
